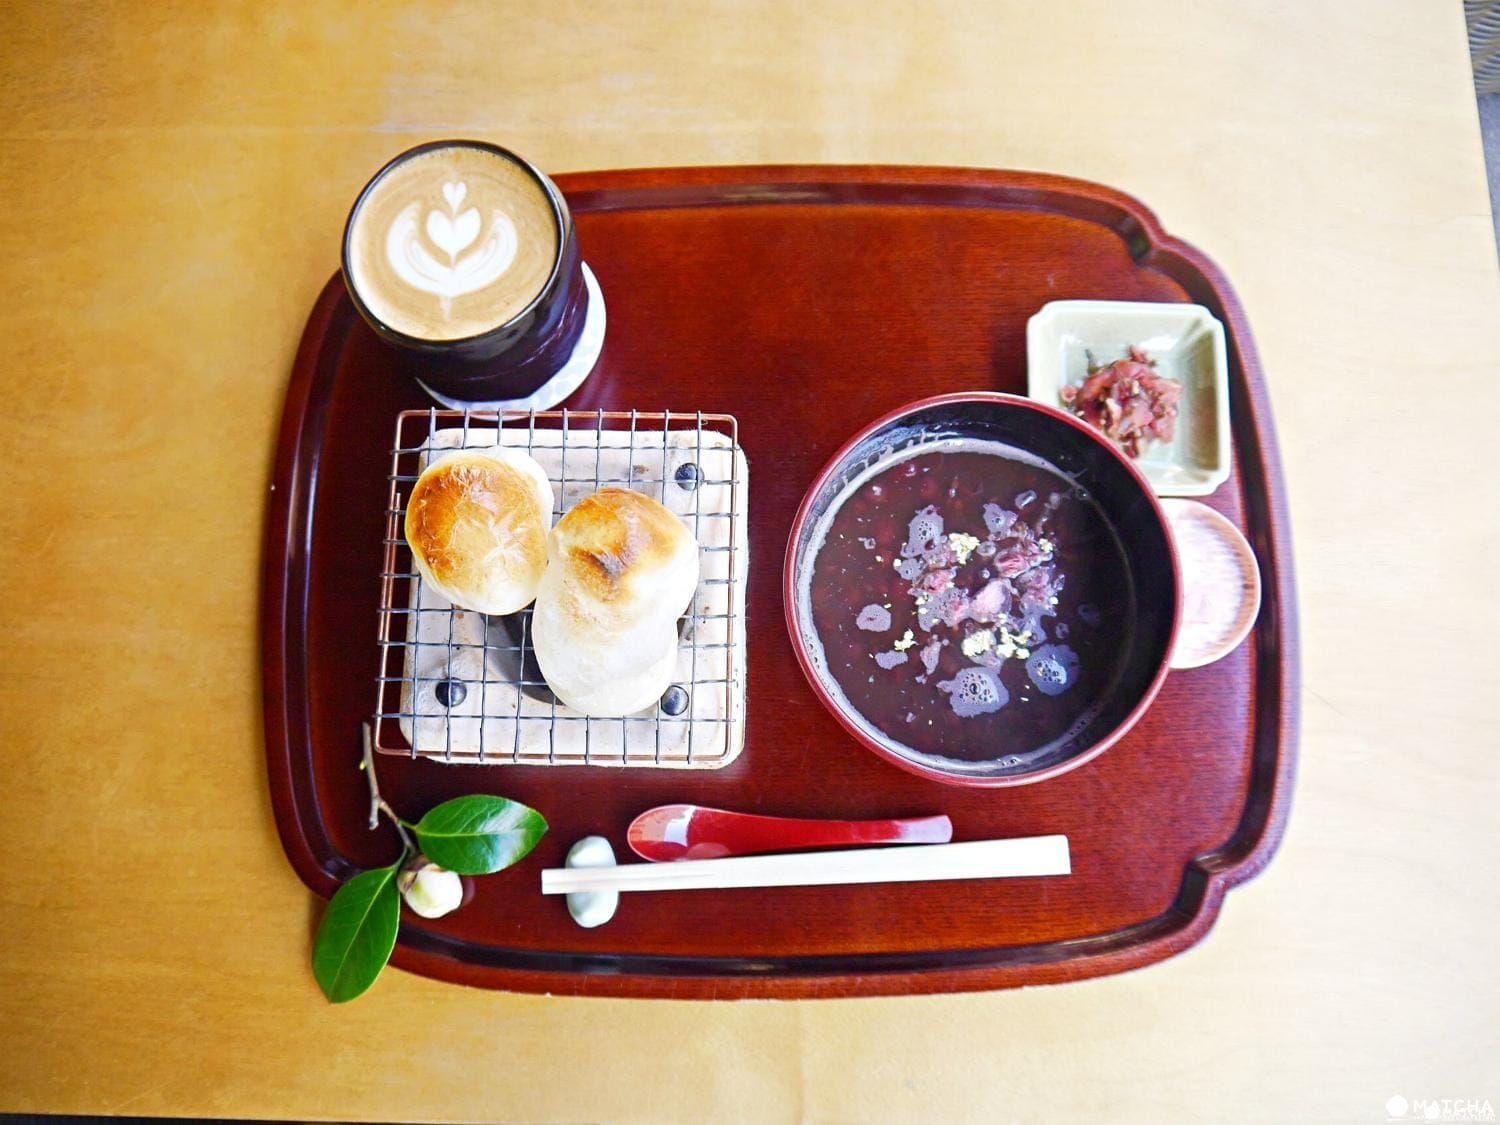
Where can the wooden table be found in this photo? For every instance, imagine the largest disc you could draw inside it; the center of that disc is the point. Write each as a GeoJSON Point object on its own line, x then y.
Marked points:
{"type": "Point", "coordinates": [174, 187]}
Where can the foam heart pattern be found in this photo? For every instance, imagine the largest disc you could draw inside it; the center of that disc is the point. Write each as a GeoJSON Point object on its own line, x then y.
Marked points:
{"type": "Point", "coordinates": [450, 236]}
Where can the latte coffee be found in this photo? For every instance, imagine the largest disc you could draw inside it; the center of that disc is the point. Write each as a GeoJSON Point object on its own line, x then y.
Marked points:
{"type": "Point", "coordinates": [452, 242]}
{"type": "Point", "coordinates": [464, 258]}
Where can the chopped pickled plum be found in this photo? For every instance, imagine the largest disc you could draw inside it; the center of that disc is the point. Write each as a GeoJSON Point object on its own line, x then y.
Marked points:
{"type": "Point", "coordinates": [1127, 401]}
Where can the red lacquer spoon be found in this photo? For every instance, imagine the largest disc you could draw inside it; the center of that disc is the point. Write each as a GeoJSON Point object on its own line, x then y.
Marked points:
{"type": "Point", "coordinates": [670, 832]}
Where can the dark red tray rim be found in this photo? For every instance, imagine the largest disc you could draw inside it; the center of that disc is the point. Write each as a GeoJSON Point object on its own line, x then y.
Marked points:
{"type": "Point", "coordinates": [1206, 880]}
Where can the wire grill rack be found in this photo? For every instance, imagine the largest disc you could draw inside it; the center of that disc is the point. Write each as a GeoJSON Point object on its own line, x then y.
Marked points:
{"type": "Point", "coordinates": [461, 686]}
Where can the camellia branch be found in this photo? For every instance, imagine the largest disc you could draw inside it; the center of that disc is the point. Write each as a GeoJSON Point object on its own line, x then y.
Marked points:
{"type": "Point", "coordinates": [368, 765]}
{"type": "Point", "coordinates": [377, 802]}
{"type": "Point", "coordinates": [474, 835]}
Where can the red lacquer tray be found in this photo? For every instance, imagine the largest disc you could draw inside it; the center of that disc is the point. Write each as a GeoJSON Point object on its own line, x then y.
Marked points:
{"type": "Point", "coordinates": [805, 301]}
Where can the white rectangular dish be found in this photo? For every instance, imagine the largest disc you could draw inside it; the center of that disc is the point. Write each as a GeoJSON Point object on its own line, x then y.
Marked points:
{"type": "Point", "coordinates": [1065, 339]}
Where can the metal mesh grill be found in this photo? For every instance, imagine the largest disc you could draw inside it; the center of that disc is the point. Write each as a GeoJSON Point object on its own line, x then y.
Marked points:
{"type": "Point", "coordinates": [461, 686]}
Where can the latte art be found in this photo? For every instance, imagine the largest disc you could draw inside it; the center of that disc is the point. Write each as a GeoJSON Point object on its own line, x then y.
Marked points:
{"type": "Point", "coordinates": [461, 273]}
{"type": "Point", "coordinates": [452, 242]}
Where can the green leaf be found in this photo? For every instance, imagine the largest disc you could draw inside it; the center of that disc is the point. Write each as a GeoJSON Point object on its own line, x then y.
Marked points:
{"type": "Point", "coordinates": [357, 934]}
{"type": "Point", "coordinates": [478, 835]}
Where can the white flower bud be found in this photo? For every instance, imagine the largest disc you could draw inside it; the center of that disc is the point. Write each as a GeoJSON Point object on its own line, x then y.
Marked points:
{"type": "Point", "coordinates": [430, 890]}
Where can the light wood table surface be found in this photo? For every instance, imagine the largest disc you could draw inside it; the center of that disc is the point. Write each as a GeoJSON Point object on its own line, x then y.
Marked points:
{"type": "Point", "coordinates": [172, 190]}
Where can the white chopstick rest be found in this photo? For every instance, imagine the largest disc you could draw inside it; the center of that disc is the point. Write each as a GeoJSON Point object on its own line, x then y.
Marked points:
{"type": "Point", "coordinates": [592, 908]}
{"type": "Point", "coordinates": [977, 859]}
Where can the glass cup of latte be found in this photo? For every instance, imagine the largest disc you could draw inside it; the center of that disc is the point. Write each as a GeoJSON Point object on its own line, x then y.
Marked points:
{"type": "Point", "coordinates": [464, 256]}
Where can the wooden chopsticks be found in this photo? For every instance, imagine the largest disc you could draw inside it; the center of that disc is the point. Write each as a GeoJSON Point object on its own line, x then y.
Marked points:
{"type": "Point", "coordinates": [978, 859]}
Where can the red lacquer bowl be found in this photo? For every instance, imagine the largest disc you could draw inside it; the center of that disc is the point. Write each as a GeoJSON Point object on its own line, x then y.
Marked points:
{"type": "Point", "coordinates": [1125, 499]}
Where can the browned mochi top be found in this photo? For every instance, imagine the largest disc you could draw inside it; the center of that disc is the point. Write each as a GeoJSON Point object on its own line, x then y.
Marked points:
{"type": "Point", "coordinates": [471, 515]}
{"type": "Point", "coordinates": [614, 537]}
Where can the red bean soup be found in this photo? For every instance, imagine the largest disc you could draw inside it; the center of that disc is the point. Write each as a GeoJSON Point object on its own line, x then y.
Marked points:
{"type": "Point", "coordinates": [974, 608]}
